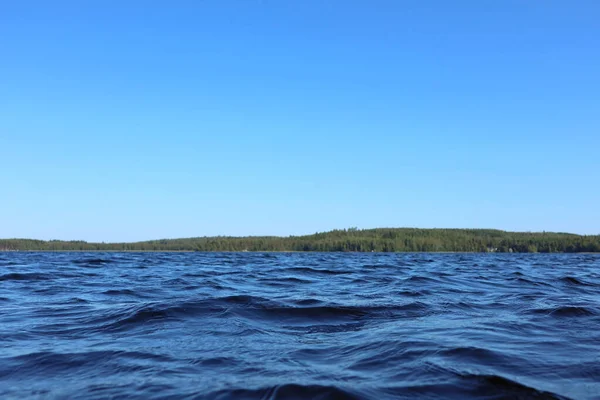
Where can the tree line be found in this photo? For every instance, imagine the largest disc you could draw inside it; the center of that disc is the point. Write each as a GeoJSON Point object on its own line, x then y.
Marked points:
{"type": "Point", "coordinates": [345, 240]}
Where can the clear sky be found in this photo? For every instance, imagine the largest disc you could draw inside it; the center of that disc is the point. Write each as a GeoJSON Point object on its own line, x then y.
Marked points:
{"type": "Point", "coordinates": [132, 120]}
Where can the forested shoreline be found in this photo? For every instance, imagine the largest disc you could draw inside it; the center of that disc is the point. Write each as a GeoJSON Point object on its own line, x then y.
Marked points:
{"type": "Point", "coordinates": [345, 240]}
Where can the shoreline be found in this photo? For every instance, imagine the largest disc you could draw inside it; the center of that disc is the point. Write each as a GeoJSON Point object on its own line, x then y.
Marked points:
{"type": "Point", "coordinates": [289, 251]}
{"type": "Point", "coordinates": [352, 240]}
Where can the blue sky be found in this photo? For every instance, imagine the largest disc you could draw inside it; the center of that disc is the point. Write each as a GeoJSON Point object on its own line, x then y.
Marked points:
{"type": "Point", "coordinates": [132, 120]}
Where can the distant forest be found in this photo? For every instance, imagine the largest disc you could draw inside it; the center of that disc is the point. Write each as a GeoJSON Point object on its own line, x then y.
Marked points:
{"type": "Point", "coordinates": [343, 240]}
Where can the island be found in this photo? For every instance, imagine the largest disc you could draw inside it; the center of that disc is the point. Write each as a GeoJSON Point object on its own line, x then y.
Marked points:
{"type": "Point", "coordinates": [345, 240]}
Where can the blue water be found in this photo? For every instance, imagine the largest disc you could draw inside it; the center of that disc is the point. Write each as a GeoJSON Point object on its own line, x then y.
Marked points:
{"type": "Point", "coordinates": [299, 326]}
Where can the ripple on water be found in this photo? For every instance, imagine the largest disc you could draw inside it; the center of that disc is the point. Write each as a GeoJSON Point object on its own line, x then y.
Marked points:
{"type": "Point", "coordinates": [295, 326]}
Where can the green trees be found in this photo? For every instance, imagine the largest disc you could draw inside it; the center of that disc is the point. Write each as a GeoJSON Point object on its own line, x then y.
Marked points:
{"type": "Point", "coordinates": [350, 240]}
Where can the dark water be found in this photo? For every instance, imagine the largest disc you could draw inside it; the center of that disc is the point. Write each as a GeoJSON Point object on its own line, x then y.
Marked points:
{"type": "Point", "coordinates": [299, 326]}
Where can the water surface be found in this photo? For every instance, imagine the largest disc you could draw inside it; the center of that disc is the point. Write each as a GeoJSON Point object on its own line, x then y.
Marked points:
{"type": "Point", "coordinates": [295, 326]}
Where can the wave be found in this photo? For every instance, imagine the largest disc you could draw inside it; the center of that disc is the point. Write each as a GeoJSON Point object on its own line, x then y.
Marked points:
{"type": "Point", "coordinates": [318, 271]}
{"type": "Point", "coordinates": [483, 387]}
{"type": "Point", "coordinates": [571, 280]}
{"type": "Point", "coordinates": [25, 276]}
{"type": "Point", "coordinates": [420, 279]}
{"type": "Point", "coordinates": [292, 326]}
{"type": "Point", "coordinates": [271, 310]}
{"type": "Point", "coordinates": [289, 391]}
{"type": "Point", "coordinates": [566, 311]}
{"type": "Point", "coordinates": [472, 353]}
{"type": "Point", "coordinates": [51, 363]}
{"type": "Point", "coordinates": [308, 311]}
{"type": "Point", "coordinates": [495, 387]}
{"type": "Point", "coordinates": [307, 302]}
{"type": "Point", "coordinates": [120, 292]}
{"type": "Point", "coordinates": [76, 300]}
{"type": "Point", "coordinates": [92, 262]}
{"type": "Point", "coordinates": [530, 282]}
{"type": "Point", "coordinates": [287, 280]}
{"type": "Point", "coordinates": [486, 387]}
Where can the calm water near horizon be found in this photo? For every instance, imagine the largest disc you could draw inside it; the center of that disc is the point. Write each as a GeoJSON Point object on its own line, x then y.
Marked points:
{"type": "Point", "coordinates": [299, 325]}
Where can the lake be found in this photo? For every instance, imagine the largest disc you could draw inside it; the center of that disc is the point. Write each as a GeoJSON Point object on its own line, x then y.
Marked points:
{"type": "Point", "coordinates": [299, 325]}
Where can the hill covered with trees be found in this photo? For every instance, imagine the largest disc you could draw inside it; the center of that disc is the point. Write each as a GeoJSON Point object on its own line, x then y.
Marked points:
{"type": "Point", "coordinates": [378, 240]}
